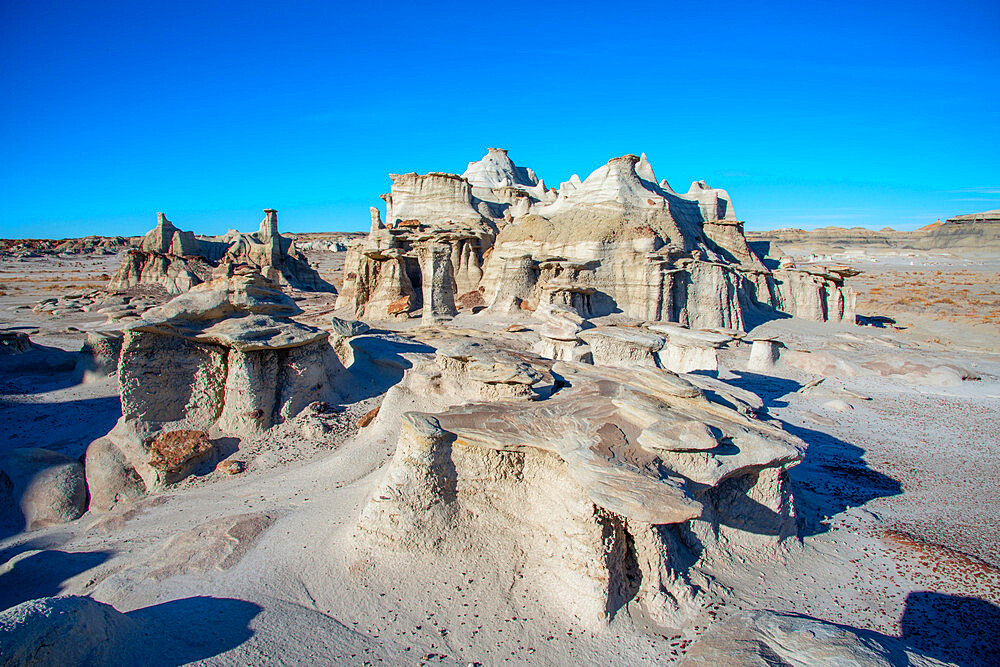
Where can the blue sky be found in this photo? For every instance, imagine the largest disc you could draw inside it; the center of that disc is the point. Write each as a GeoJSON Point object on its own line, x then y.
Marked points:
{"type": "Point", "coordinates": [810, 114]}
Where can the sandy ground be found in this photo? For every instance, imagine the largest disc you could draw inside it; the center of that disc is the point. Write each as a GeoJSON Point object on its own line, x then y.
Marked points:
{"type": "Point", "coordinates": [899, 497]}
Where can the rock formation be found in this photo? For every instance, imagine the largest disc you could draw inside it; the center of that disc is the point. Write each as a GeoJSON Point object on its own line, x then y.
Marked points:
{"type": "Point", "coordinates": [763, 638]}
{"type": "Point", "coordinates": [100, 245]}
{"type": "Point", "coordinates": [178, 261]}
{"type": "Point", "coordinates": [223, 357]}
{"type": "Point", "coordinates": [614, 476]}
{"type": "Point", "coordinates": [618, 241]}
{"type": "Point", "coordinates": [72, 630]}
{"type": "Point", "coordinates": [430, 251]}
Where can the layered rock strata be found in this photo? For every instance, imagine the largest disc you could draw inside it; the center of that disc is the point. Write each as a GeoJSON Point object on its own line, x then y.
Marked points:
{"type": "Point", "coordinates": [606, 486]}
{"type": "Point", "coordinates": [618, 241]}
{"type": "Point", "coordinates": [430, 250]}
{"type": "Point", "coordinates": [222, 358]}
{"type": "Point", "coordinates": [177, 260]}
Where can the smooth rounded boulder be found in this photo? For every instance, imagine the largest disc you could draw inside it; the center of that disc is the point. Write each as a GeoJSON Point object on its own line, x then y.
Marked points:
{"type": "Point", "coordinates": [47, 487]}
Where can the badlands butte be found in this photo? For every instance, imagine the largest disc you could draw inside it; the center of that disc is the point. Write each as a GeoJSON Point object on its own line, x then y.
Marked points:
{"type": "Point", "coordinates": [508, 423]}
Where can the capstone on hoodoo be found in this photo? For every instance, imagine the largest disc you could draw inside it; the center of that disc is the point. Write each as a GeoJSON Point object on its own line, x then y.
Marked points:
{"type": "Point", "coordinates": [618, 241]}
{"type": "Point", "coordinates": [178, 261]}
{"type": "Point", "coordinates": [223, 359]}
{"type": "Point", "coordinates": [604, 486]}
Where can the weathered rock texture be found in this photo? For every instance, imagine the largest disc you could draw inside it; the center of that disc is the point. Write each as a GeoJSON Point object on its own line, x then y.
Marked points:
{"type": "Point", "coordinates": [72, 630]}
{"type": "Point", "coordinates": [430, 251]}
{"type": "Point", "coordinates": [224, 355]}
{"type": "Point", "coordinates": [178, 260]}
{"type": "Point", "coordinates": [618, 241]}
{"type": "Point", "coordinates": [99, 355]}
{"type": "Point", "coordinates": [606, 485]}
{"type": "Point", "coordinates": [764, 638]}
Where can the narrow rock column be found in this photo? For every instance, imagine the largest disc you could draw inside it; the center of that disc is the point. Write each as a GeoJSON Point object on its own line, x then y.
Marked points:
{"type": "Point", "coordinates": [376, 219]}
{"type": "Point", "coordinates": [270, 238]}
{"type": "Point", "coordinates": [763, 355]}
{"type": "Point", "coordinates": [517, 278]}
{"type": "Point", "coordinates": [438, 284]}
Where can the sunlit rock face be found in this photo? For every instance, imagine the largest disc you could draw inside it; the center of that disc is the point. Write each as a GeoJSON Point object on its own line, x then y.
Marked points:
{"type": "Point", "coordinates": [222, 359]}
{"type": "Point", "coordinates": [617, 241]}
{"type": "Point", "coordinates": [177, 260]}
{"type": "Point", "coordinates": [605, 486]}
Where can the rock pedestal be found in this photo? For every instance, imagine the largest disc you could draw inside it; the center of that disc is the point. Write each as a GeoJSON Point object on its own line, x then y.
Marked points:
{"type": "Point", "coordinates": [763, 355]}
{"type": "Point", "coordinates": [438, 284]}
{"type": "Point", "coordinates": [610, 478]}
{"type": "Point", "coordinates": [224, 357]}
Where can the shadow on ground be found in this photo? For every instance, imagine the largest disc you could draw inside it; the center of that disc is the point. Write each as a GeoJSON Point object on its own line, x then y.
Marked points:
{"type": "Point", "coordinates": [35, 574]}
{"type": "Point", "coordinates": [197, 628]}
{"type": "Point", "coordinates": [833, 476]}
{"type": "Point", "coordinates": [952, 628]}
{"type": "Point", "coordinates": [378, 365]}
{"type": "Point", "coordinates": [66, 427]}
{"type": "Point", "coordinates": [74, 630]}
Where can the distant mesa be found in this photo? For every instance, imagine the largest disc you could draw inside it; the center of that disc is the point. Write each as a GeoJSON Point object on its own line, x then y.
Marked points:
{"type": "Point", "coordinates": [617, 241]}
{"type": "Point", "coordinates": [976, 233]}
{"type": "Point", "coordinates": [177, 260]}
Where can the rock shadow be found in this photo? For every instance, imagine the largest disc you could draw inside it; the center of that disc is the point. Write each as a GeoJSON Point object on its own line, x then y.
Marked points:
{"type": "Point", "coordinates": [41, 369]}
{"type": "Point", "coordinates": [197, 628]}
{"type": "Point", "coordinates": [42, 573]}
{"type": "Point", "coordinates": [952, 628]}
{"type": "Point", "coordinates": [769, 388]}
{"type": "Point", "coordinates": [878, 321]}
{"type": "Point", "coordinates": [378, 365]}
{"type": "Point", "coordinates": [66, 427]}
{"type": "Point", "coordinates": [222, 448]}
{"type": "Point", "coordinates": [833, 476]}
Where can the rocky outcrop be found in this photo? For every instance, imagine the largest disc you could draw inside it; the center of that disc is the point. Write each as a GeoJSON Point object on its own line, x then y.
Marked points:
{"type": "Point", "coordinates": [14, 342]}
{"type": "Point", "coordinates": [430, 250]}
{"type": "Point", "coordinates": [165, 239]}
{"type": "Point", "coordinates": [72, 630]}
{"type": "Point", "coordinates": [688, 350]}
{"type": "Point", "coordinates": [99, 355]}
{"type": "Point", "coordinates": [763, 638]}
{"type": "Point", "coordinates": [560, 334]}
{"type": "Point", "coordinates": [618, 241]}
{"type": "Point", "coordinates": [223, 356]}
{"type": "Point", "coordinates": [178, 261]}
{"type": "Point", "coordinates": [613, 474]}
{"type": "Point", "coordinates": [174, 273]}
{"type": "Point", "coordinates": [764, 353]}
{"type": "Point", "coordinates": [99, 245]}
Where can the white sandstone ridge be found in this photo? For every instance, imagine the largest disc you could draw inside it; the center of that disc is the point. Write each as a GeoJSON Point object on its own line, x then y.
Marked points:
{"type": "Point", "coordinates": [177, 260]}
{"type": "Point", "coordinates": [223, 359]}
{"type": "Point", "coordinates": [617, 241]}
{"type": "Point", "coordinates": [604, 486]}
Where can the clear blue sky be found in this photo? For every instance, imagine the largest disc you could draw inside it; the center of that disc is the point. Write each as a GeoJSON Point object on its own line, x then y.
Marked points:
{"type": "Point", "coordinates": [810, 114]}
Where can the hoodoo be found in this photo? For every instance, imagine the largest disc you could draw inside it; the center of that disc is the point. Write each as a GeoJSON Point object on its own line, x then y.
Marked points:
{"type": "Point", "coordinates": [618, 241]}
{"type": "Point", "coordinates": [177, 260]}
